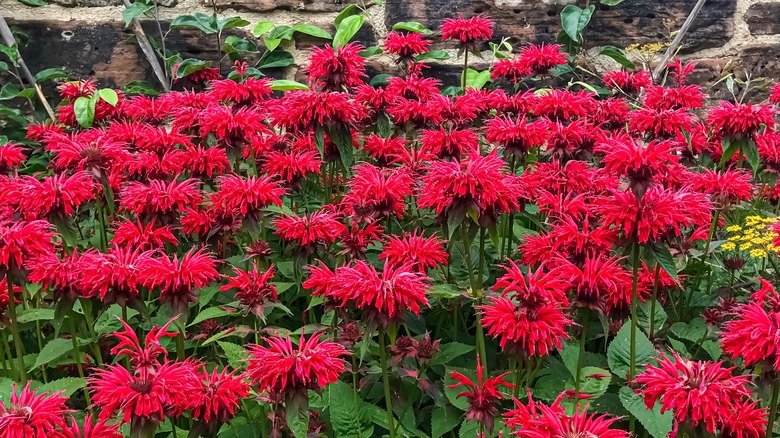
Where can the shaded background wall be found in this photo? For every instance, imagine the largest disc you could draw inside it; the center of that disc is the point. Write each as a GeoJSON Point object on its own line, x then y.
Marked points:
{"type": "Point", "coordinates": [88, 37]}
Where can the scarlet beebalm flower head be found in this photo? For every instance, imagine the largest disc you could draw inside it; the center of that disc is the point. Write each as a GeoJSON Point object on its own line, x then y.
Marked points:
{"type": "Point", "coordinates": [517, 135]}
{"type": "Point", "coordinates": [29, 414]}
{"type": "Point", "coordinates": [406, 44]}
{"type": "Point", "coordinates": [75, 89]}
{"type": "Point", "coordinates": [563, 105]}
{"type": "Point", "coordinates": [482, 396]}
{"type": "Point", "coordinates": [23, 240]}
{"type": "Point", "coordinates": [540, 59]}
{"type": "Point", "coordinates": [59, 274]}
{"type": "Point", "coordinates": [679, 71]}
{"type": "Point", "coordinates": [610, 114]}
{"type": "Point", "coordinates": [572, 177]}
{"type": "Point", "coordinates": [281, 369]}
{"type": "Point", "coordinates": [421, 252]}
{"type": "Point", "coordinates": [336, 68]}
{"type": "Point", "coordinates": [577, 242]}
{"type": "Point", "coordinates": [450, 144]}
{"type": "Point", "coordinates": [112, 276]}
{"type": "Point", "coordinates": [683, 97]}
{"type": "Point", "coordinates": [701, 391]}
{"type": "Point", "coordinates": [144, 358]}
{"type": "Point", "coordinates": [247, 195]}
{"type": "Point", "coordinates": [220, 394]}
{"type": "Point", "coordinates": [233, 126]}
{"type": "Point", "coordinates": [477, 183]}
{"type": "Point", "coordinates": [253, 288]}
{"type": "Point", "coordinates": [377, 193]}
{"type": "Point", "coordinates": [148, 109]}
{"type": "Point", "coordinates": [300, 110]}
{"type": "Point", "coordinates": [746, 420]}
{"type": "Point", "coordinates": [601, 283]}
{"type": "Point", "coordinates": [91, 429]}
{"type": "Point", "coordinates": [644, 165]}
{"type": "Point", "coordinates": [737, 120]}
{"type": "Point", "coordinates": [630, 83]}
{"type": "Point", "coordinates": [664, 123]}
{"type": "Point", "coordinates": [11, 156]}
{"type": "Point", "coordinates": [137, 235]}
{"type": "Point", "coordinates": [753, 332]}
{"type": "Point", "coordinates": [774, 97]}
{"type": "Point", "coordinates": [660, 214]}
{"type": "Point", "coordinates": [383, 149]}
{"type": "Point", "coordinates": [513, 69]}
{"type": "Point", "coordinates": [291, 166]}
{"type": "Point", "coordinates": [59, 194]}
{"type": "Point", "coordinates": [91, 151]}
{"type": "Point", "coordinates": [158, 197]}
{"type": "Point", "coordinates": [357, 238]}
{"type": "Point", "coordinates": [177, 277]}
{"type": "Point", "coordinates": [535, 287]}
{"type": "Point", "coordinates": [469, 32]}
{"type": "Point", "coordinates": [249, 91]}
{"type": "Point", "coordinates": [724, 188]}
{"type": "Point", "coordinates": [205, 162]}
{"type": "Point", "coordinates": [318, 228]}
{"type": "Point", "coordinates": [147, 397]}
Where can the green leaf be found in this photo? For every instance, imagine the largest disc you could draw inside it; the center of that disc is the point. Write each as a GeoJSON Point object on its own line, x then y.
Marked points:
{"type": "Point", "coordinates": [346, 12]}
{"type": "Point", "coordinates": [31, 315]}
{"type": "Point", "coordinates": [84, 109]}
{"type": "Point", "coordinates": [412, 26]}
{"type": "Point", "coordinates": [611, 2]}
{"type": "Point", "coordinates": [450, 351]}
{"type": "Point", "coordinates": [206, 294]}
{"type": "Point", "coordinates": [281, 33]}
{"type": "Point", "coordinates": [342, 138]}
{"type": "Point", "coordinates": [594, 381]}
{"type": "Point", "coordinates": [729, 149]}
{"type": "Point", "coordinates": [371, 51]}
{"type": "Point", "coordinates": [658, 425]}
{"type": "Point", "coordinates": [139, 88]}
{"type": "Point", "coordinates": [135, 10]}
{"type": "Point", "coordinates": [618, 55]}
{"type": "Point", "coordinates": [12, 52]}
{"type": "Point", "coordinates": [205, 23]}
{"type": "Point", "coordinates": [235, 354]}
{"type": "Point", "coordinates": [234, 44]}
{"type": "Point", "coordinates": [665, 259]}
{"type": "Point", "coordinates": [190, 66]}
{"type": "Point", "coordinates": [34, 3]}
{"type": "Point", "coordinates": [51, 74]}
{"type": "Point", "coordinates": [643, 316]}
{"type": "Point", "coordinates": [713, 349]}
{"type": "Point", "coordinates": [286, 85]}
{"type": "Point", "coordinates": [68, 386]}
{"type": "Point", "coordinates": [310, 29]}
{"type": "Point", "coordinates": [55, 349]}
{"type": "Point", "coordinates": [9, 91]}
{"type": "Point", "coordinates": [208, 313]}
{"type": "Point", "coordinates": [751, 153]}
{"type": "Point", "coordinates": [439, 55]}
{"type": "Point", "coordinates": [443, 420]}
{"type": "Point", "coordinates": [108, 322]}
{"type": "Point", "coordinates": [271, 43]}
{"type": "Point", "coordinates": [109, 96]}
{"type": "Point", "coordinates": [348, 415]}
{"type": "Point", "coordinates": [694, 331]}
{"type": "Point", "coordinates": [452, 393]}
{"type": "Point", "coordinates": [297, 409]}
{"type": "Point", "coordinates": [231, 22]}
{"type": "Point", "coordinates": [262, 28]}
{"type": "Point", "coordinates": [619, 351]}
{"type": "Point", "coordinates": [574, 19]}
{"type": "Point", "coordinates": [276, 59]}
{"type": "Point", "coordinates": [347, 29]}
{"type": "Point", "coordinates": [477, 79]}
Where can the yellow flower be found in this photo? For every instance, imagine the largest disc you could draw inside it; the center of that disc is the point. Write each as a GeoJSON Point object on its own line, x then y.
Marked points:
{"type": "Point", "coordinates": [745, 246]}
{"type": "Point", "coordinates": [734, 237]}
{"type": "Point", "coordinates": [728, 246]}
{"type": "Point", "coordinates": [757, 253]}
{"type": "Point", "coordinates": [734, 229]}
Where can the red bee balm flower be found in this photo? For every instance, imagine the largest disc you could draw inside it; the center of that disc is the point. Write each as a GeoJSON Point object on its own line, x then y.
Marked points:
{"type": "Point", "coordinates": [247, 195]}
{"type": "Point", "coordinates": [31, 415]}
{"type": "Point", "coordinates": [482, 396]}
{"type": "Point", "coordinates": [289, 371]}
{"type": "Point", "coordinates": [406, 44]}
{"type": "Point", "coordinates": [178, 278]}
{"type": "Point", "coordinates": [701, 391]}
{"type": "Point", "coordinates": [376, 193]}
{"type": "Point", "coordinates": [142, 357]}
{"type": "Point", "coordinates": [160, 197]}
{"type": "Point", "coordinates": [540, 59]}
{"type": "Point", "coordinates": [754, 333]}
{"type": "Point", "coordinates": [336, 69]}
{"type": "Point", "coordinates": [90, 430]}
{"type": "Point", "coordinates": [738, 120]}
{"type": "Point", "coordinates": [21, 241]}
{"type": "Point", "coordinates": [129, 234]}
{"type": "Point", "coordinates": [253, 288]}
{"type": "Point", "coordinates": [220, 395]}
{"type": "Point", "coordinates": [422, 252]}
{"type": "Point", "coordinates": [319, 227]}
{"type": "Point", "coordinates": [469, 32]}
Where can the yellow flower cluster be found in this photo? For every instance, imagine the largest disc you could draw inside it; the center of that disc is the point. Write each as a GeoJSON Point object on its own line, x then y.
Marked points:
{"type": "Point", "coordinates": [646, 51]}
{"type": "Point", "coordinates": [756, 237]}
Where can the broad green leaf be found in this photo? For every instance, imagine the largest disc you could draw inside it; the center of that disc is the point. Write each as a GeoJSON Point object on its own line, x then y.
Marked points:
{"type": "Point", "coordinates": [31, 315]}
{"type": "Point", "coordinates": [342, 138]}
{"type": "Point", "coordinates": [751, 153]}
{"type": "Point", "coordinates": [297, 415]}
{"type": "Point", "coordinates": [574, 19]}
{"type": "Point", "coordinates": [12, 52]}
{"type": "Point", "coordinates": [51, 74]}
{"type": "Point", "coordinates": [135, 10]}
{"type": "Point", "coordinates": [412, 26]}
{"type": "Point", "coordinates": [594, 381]}
{"type": "Point", "coordinates": [450, 351]}
{"type": "Point", "coordinates": [618, 55]}
{"type": "Point", "coordinates": [619, 351]}
{"type": "Point", "coordinates": [262, 28]}
{"type": "Point", "coordinates": [35, 3]}
{"type": "Point", "coordinates": [443, 420]}
{"type": "Point", "coordinates": [235, 354]}
{"type": "Point", "coordinates": [276, 59]}
{"type": "Point", "coordinates": [281, 33]}
{"type": "Point", "coordinates": [9, 91]}
{"type": "Point", "coordinates": [348, 415]}
{"type": "Point", "coordinates": [438, 55]}
{"type": "Point", "coordinates": [55, 349]}
{"type": "Point", "coordinates": [231, 22]}
{"type": "Point", "coordinates": [346, 12]}
{"type": "Point", "coordinates": [713, 349]}
{"type": "Point", "coordinates": [108, 322]}
{"type": "Point", "coordinates": [371, 51]}
{"type": "Point", "coordinates": [665, 260]}
{"type": "Point", "coordinates": [694, 331]}
{"type": "Point", "coordinates": [643, 316]}
{"type": "Point", "coordinates": [208, 313]}
{"type": "Point", "coordinates": [310, 29]}
{"type": "Point", "coordinates": [477, 79]}
{"type": "Point", "coordinates": [67, 385]}
{"type": "Point", "coordinates": [657, 425]}
{"type": "Point", "coordinates": [729, 149]}
{"type": "Point", "coordinates": [206, 294]}
{"type": "Point", "coordinates": [611, 2]}
{"type": "Point", "coordinates": [109, 96]}
{"type": "Point", "coordinates": [190, 66]}
{"type": "Point", "coordinates": [286, 85]}
{"type": "Point", "coordinates": [84, 109]}
{"type": "Point", "coordinates": [205, 23]}
{"type": "Point", "coordinates": [234, 44]}
{"type": "Point", "coordinates": [347, 29]}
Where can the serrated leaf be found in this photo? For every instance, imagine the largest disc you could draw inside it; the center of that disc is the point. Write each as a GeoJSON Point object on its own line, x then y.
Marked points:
{"type": "Point", "coordinates": [751, 153]}
{"type": "Point", "coordinates": [619, 351]}
{"type": "Point", "coordinates": [209, 313]}
{"type": "Point", "coordinates": [310, 29]}
{"type": "Point", "coordinates": [206, 294]}
{"type": "Point", "coordinates": [574, 19]}
{"type": "Point", "coordinates": [108, 321]}
{"type": "Point", "coordinates": [55, 349]}
{"type": "Point", "coordinates": [109, 96]}
{"type": "Point", "coordinates": [412, 26]}
{"type": "Point", "coordinates": [297, 415]}
{"type": "Point", "coordinates": [347, 29]}
{"type": "Point", "coordinates": [694, 331]}
{"type": "Point", "coordinates": [594, 381]}
{"type": "Point", "coordinates": [665, 260]}
{"type": "Point", "coordinates": [342, 138]}
{"type": "Point", "coordinates": [618, 55]}
{"type": "Point", "coordinates": [643, 316]}
{"type": "Point", "coordinates": [67, 385]}
{"type": "Point", "coordinates": [31, 315]}
{"type": "Point", "coordinates": [348, 416]}
{"type": "Point", "coordinates": [235, 354]}
{"type": "Point", "coordinates": [443, 420]}
{"type": "Point", "coordinates": [657, 425]}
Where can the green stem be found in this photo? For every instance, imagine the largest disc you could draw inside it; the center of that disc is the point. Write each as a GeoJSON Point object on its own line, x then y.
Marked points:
{"type": "Point", "coordinates": [87, 306]}
{"type": "Point", "coordinates": [655, 298]}
{"type": "Point", "coordinates": [465, 68]}
{"type": "Point", "coordinates": [5, 353]}
{"type": "Point", "coordinates": [15, 330]}
{"type": "Point", "coordinates": [386, 382]}
{"type": "Point", "coordinates": [180, 353]}
{"type": "Point", "coordinates": [77, 354]}
{"type": "Point", "coordinates": [632, 354]}
{"type": "Point", "coordinates": [700, 270]}
{"type": "Point", "coordinates": [102, 220]}
{"type": "Point", "coordinates": [467, 256]}
{"type": "Point", "coordinates": [39, 336]}
{"type": "Point", "coordinates": [770, 426]}
{"type": "Point", "coordinates": [581, 357]}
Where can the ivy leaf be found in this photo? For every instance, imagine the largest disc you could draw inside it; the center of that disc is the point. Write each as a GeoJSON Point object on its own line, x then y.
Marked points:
{"type": "Point", "coordinates": [55, 349]}
{"type": "Point", "coordinates": [84, 109]}
{"type": "Point", "coordinates": [135, 10]}
{"type": "Point", "coordinates": [347, 29]}
{"type": "Point", "coordinates": [312, 30]}
{"type": "Point", "coordinates": [619, 351]}
{"type": "Point", "coordinates": [658, 425]}
{"type": "Point", "coordinates": [574, 19]}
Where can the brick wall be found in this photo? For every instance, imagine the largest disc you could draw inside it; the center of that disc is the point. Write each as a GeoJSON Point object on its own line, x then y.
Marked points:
{"type": "Point", "coordinates": [88, 36]}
